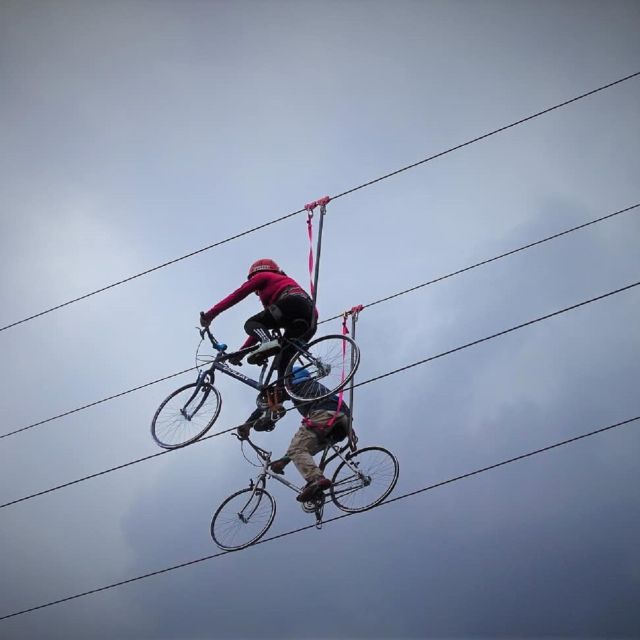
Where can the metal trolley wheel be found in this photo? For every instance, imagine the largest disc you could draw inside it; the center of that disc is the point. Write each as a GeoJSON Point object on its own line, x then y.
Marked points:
{"type": "Point", "coordinates": [242, 519]}
{"type": "Point", "coordinates": [186, 415]}
{"type": "Point", "coordinates": [365, 479]}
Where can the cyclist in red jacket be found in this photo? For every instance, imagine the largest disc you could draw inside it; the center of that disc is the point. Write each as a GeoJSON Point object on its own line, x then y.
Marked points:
{"type": "Point", "coordinates": [286, 306]}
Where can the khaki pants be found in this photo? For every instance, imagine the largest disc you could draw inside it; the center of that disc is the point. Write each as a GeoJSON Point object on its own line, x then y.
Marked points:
{"type": "Point", "coordinates": [305, 444]}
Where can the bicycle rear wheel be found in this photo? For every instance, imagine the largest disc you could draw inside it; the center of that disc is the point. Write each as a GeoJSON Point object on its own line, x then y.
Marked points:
{"type": "Point", "coordinates": [330, 362]}
{"type": "Point", "coordinates": [364, 480]}
{"type": "Point", "coordinates": [186, 415]}
{"type": "Point", "coordinates": [242, 519]}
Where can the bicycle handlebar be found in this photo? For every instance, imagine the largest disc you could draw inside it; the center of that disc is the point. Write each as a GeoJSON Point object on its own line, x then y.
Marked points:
{"type": "Point", "coordinates": [262, 453]}
{"type": "Point", "coordinates": [218, 346]}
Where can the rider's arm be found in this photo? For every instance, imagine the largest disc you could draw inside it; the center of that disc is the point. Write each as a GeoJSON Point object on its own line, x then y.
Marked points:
{"type": "Point", "coordinates": [245, 429]}
{"type": "Point", "coordinates": [233, 298]}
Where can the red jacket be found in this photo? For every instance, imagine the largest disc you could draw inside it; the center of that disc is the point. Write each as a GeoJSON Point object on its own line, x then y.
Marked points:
{"type": "Point", "coordinates": [268, 285]}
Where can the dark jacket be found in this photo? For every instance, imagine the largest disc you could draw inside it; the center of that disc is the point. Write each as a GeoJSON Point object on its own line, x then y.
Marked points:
{"type": "Point", "coordinates": [305, 408]}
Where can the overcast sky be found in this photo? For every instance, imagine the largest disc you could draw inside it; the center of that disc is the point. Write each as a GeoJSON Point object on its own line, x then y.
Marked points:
{"type": "Point", "coordinates": [135, 132]}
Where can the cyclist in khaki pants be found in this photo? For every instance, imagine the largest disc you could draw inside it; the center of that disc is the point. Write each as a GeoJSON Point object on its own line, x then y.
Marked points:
{"type": "Point", "coordinates": [321, 423]}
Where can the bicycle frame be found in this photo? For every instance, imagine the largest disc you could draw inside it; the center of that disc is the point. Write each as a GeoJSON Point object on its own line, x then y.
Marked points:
{"type": "Point", "coordinates": [265, 456]}
{"type": "Point", "coordinates": [259, 385]}
{"type": "Point", "coordinates": [219, 363]}
{"type": "Point", "coordinates": [257, 487]}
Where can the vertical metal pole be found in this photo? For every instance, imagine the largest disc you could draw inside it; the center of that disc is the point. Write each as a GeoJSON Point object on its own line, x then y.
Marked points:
{"type": "Point", "coordinates": [352, 444]}
{"type": "Point", "coordinates": [314, 296]}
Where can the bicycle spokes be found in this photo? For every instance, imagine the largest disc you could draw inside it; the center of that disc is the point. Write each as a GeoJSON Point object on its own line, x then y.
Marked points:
{"type": "Point", "coordinates": [185, 415]}
{"type": "Point", "coordinates": [365, 479]}
{"type": "Point", "coordinates": [328, 364]}
{"type": "Point", "coordinates": [242, 519]}
{"type": "Point", "coordinates": [195, 406]}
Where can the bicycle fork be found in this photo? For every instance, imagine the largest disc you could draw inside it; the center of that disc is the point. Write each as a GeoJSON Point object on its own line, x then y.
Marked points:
{"type": "Point", "coordinates": [183, 411]}
{"type": "Point", "coordinates": [241, 514]}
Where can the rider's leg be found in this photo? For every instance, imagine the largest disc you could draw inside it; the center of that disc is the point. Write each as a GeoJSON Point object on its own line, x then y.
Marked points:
{"type": "Point", "coordinates": [293, 314]}
{"type": "Point", "coordinates": [304, 445]}
{"type": "Point", "coordinates": [259, 326]}
{"type": "Point", "coordinates": [311, 440]}
{"type": "Point", "coordinates": [297, 322]}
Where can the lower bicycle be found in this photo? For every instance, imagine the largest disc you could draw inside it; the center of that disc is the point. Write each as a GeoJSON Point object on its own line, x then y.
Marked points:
{"type": "Point", "coordinates": [190, 411]}
{"type": "Point", "coordinates": [362, 480]}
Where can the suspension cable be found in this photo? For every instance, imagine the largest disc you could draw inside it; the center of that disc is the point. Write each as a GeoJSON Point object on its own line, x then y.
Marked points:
{"type": "Point", "coordinates": [370, 304]}
{"type": "Point", "coordinates": [334, 519]}
{"type": "Point", "coordinates": [633, 207]}
{"type": "Point", "coordinates": [360, 384]}
{"type": "Point", "coordinates": [344, 193]}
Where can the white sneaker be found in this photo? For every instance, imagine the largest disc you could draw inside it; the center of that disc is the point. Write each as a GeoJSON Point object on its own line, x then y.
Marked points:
{"type": "Point", "coordinates": [265, 350]}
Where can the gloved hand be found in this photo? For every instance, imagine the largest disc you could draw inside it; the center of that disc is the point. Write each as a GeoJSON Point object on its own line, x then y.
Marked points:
{"type": "Point", "coordinates": [244, 430]}
{"type": "Point", "coordinates": [235, 359]}
{"type": "Point", "coordinates": [204, 321]}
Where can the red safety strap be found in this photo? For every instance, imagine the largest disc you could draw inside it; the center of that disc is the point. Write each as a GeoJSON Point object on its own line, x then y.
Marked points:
{"type": "Point", "coordinates": [310, 231]}
{"type": "Point", "coordinates": [353, 311]}
{"type": "Point", "coordinates": [322, 202]}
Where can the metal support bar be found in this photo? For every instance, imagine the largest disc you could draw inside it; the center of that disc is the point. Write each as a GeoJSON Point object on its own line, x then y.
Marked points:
{"type": "Point", "coordinates": [352, 444]}
{"type": "Point", "coordinates": [314, 297]}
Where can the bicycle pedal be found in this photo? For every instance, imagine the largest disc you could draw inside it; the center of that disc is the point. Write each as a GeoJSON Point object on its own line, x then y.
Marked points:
{"type": "Point", "coordinates": [315, 504]}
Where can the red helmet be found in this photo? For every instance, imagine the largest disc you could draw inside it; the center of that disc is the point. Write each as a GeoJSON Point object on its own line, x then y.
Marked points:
{"type": "Point", "coordinates": [266, 264]}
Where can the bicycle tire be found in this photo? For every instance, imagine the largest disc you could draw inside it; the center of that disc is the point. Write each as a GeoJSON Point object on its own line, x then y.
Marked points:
{"type": "Point", "coordinates": [380, 469]}
{"type": "Point", "coordinates": [325, 366]}
{"type": "Point", "coordinates": [169, 425]}
{"type": "Point", "coordinates": [230, 524]}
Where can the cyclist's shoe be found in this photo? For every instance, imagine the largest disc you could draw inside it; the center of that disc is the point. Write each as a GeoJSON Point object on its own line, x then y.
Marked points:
{"type": "Point", "coordinates": [313, 487]}
{"type": "Point", "coordinates": [277, 466]}
{"type": "Point", "coordinates": [264, 423]}
{"type": "Point", "coordinates": [265, 350]}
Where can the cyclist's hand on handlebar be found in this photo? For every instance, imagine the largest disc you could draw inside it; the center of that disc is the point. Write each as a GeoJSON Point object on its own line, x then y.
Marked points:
{"type": "Point", "coordinates": [204, 321]}
{"type": "Point", "coordinates": [243, 431]}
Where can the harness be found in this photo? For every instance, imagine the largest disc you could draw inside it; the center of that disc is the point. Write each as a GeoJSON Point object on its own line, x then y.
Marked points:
{"type": "Point", "coordinates": [292, 290]}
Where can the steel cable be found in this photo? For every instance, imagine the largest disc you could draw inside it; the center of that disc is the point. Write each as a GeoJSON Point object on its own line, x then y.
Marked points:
{"type": "Point", "coordinates": [370, 304]}
{"type": "Point", "coordinates": [360, 384]}
{"type": "Point", "coordinates": [330, 520]}
{"type": "Point", "coordinates": [340, 195]}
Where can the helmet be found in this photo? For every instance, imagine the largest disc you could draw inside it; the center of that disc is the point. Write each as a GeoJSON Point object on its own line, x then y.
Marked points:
{"type": "Point", "coordinates": [265, 264]}
{"type": "Point", "coordinates": [300, 374]}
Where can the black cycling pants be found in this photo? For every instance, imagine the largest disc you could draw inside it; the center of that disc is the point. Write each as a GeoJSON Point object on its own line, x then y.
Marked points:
{"type": "Point", "coordinates": [292, 313]}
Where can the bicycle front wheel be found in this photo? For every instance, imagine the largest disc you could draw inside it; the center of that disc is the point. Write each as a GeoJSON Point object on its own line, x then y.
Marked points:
{"type": "Point", "coordinates": [186, 415]}
{"type": "Point", "coordinates": [330, 362]}
{"type": "Point", "coordinates": [364, 480]}
{"type": "Point", "coordinates": [242, 519]}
